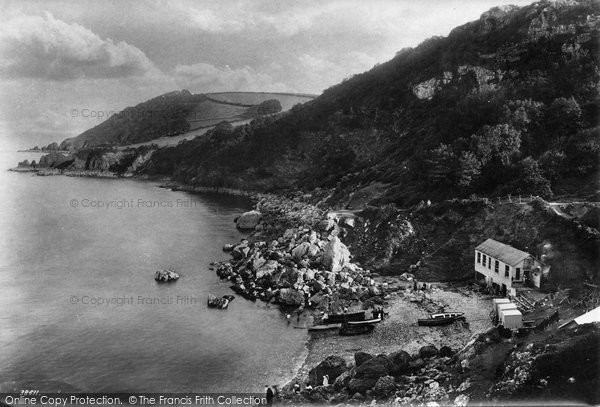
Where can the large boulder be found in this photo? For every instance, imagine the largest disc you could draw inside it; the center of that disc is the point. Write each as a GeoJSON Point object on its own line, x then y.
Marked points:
{"type": "Point", "coordinates": [356, 385]}
{"type": "Point", "coordinates": [288, 278]}
{"type": "Point", "coordinates": [166, 276]}
{"type": "Point", "coordinates": [374, 368]}
{"type": "Point", "coordinates": [289, 296]}
{"type": "Point", "coordinates": [362, 357]}
{"type": "Point", "coordinates": [400, 362]}
{"type": "Point", "coordinates": [446, 351]}
{"type": "Point", "coordinates": [248, 220]}
{"type": "Point", "coordinates": [333, 366]}
{"type": "Point", "coordinates": [300, 251]}
{"type": "Point", "coordinates": [384, 386]}
{"type": "Point", "coordinates": [428, 351]}
{"type": "Point", "coordinates": [335, 255]}
{"type": "Point", "coordinates": [343, 380]}
{"type": "Point", "coordinates": [267, 269]}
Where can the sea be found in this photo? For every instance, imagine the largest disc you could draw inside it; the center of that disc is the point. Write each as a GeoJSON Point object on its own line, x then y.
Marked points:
{"type": "Point", "coordinates": [80, 309]}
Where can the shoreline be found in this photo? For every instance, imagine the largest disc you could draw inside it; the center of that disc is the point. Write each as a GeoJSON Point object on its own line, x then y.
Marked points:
{"type": "Point", "coordinates": [398, 331]}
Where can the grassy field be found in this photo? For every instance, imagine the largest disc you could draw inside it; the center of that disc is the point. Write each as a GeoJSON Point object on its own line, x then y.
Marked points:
{"type": "Point", "coordinates": [287, 100]}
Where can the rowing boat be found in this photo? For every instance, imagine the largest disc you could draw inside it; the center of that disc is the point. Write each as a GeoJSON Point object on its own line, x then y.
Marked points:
{"type": "Point", "coordinates": [351, 316]}
{"type": "Point", "coordinates": [443, 318]}
{"type": "Point", "coordinates": [349, 330]}
{"type": "Point", "coordinates": [365, 322]}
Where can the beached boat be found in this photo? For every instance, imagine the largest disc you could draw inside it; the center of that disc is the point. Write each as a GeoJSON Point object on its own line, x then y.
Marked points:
{"type": "Point", "coordinates": [365, 322]}
{"type": "Point", "coordinates": [348, 330]}
{"type": "Point", "coordinates": [324, 327]}
{"type": "Point", "coordinates": [443, 318]}
{"type": "Point", "coordinates": [349, 316]}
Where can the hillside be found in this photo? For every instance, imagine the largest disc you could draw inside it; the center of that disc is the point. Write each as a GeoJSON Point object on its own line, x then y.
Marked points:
{"type": "Point", "coordinates": [177, 113]}
{"type": "Point", "coordinates": [504, 104]}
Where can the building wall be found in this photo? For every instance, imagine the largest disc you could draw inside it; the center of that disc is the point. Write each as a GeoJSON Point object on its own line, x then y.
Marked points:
{"type": "Point", "coordinates": [489, 270]}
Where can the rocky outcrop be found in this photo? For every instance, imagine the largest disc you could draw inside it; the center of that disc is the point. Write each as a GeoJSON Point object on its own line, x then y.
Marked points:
{"type": "Point", "coordinates": [53, 160]}
{"type": "Point", "coordinates": [332, 366]}
{"type": "Point", "coordinates": [248, 220]}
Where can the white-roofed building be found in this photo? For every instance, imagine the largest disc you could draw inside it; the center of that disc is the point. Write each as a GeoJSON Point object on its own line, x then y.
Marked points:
{"type": "Point", "coordinates": [501, 265]}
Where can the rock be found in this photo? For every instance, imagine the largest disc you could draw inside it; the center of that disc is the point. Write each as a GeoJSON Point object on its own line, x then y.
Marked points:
{"type": "Point", "coordinates": [290, 296]}
{"type": "Point", "coordinates": [267, 269]}
{"type": "Point", "coordinates": [416, 364]}
{"type": "Point", "coordinates": [384, 386]}
{"type": "Point", "coordinates": [361, 385]}
{"type": "Point", "coordinates": [342, 380]}
{"type": "Point", "coordinates": [335, 255]}
{"type": "Point", "coordinates": [375, 368]}
{"type": "Point", "coordinates": [348, 221]}
{"type": "Point", "coordinates": [446, 351]}
{"type": "Point", "coordinates": [362, 357]}
{"type": "Point", "coordinates": [240, 251]}
{"type": "Point", "coordinates": [400, 361]}
{"type": "Point", "coordinates": [329, 278]}
{"type": "Point", "coordinates": [325, 225]}
{"type": "Point", "coordinates": [428, 351]}
{"type": "Point", "coordinates": [53, 159]}
{"type": "Point", "coordinates": [257, 261]}
{"type": "Point", "coordinates": [228, 247]}
{"type": "Point", "coordinates": [461, 400]}
{"type": "Point", "coordinates": [301, 250]}
{"type": "Point", "coordinates": [249, 220]}
{"type": "Point", "coordinates": [288, 278]}
{"type": "Point", "coordinates": [166, 275]}
{"type": "Point", "coordinates": [333, 366]}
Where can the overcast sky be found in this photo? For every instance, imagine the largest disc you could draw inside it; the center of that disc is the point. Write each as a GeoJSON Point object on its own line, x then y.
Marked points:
{"type": "Point", "coordinates": [61, 57]}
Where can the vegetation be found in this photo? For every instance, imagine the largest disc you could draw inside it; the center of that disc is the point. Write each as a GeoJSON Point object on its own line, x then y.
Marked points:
{"type": "Point", "coordinates": [505, 104]}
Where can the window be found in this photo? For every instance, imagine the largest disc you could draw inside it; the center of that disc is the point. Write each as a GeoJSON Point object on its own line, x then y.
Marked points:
{"type": "Point", "coordinates": [496, 266]}
{"type": "Point", "coordinates": [478, 257]}
{"type": "Point", "coordinates": [507, 271]}
{"type": "Point", "coordinates": [484, 260]}
{"type": "Point", "coordinates": [490, 263]}
{"type": "Point", "coordinates": [518, 274]}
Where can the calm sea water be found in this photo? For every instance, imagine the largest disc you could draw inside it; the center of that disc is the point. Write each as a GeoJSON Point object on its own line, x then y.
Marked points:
{"type": "Point", "coordinates": [60, 262]}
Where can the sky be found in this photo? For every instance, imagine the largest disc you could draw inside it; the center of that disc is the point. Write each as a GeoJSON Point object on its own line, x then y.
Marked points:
{"type": "Point", "coordinates": [66, 65]}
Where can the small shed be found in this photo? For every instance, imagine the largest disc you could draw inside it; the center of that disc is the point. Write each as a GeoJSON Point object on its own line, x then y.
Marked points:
{"type": "Point", "coordinates": [511, 319]}
{"type": "Point", "coordinates": [505, 307]}
{"type": "Point", "coordinates": [498, 301]}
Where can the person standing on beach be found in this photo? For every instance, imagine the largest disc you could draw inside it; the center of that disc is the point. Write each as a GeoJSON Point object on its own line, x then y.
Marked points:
{"type": "Point", "coordinates": [269, 395]}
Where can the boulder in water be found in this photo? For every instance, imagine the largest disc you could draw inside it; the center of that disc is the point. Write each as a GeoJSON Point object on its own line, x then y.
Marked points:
{"type": "Point", "coordinates": [248, 220]}
{"type": "Point", "coordinates": [166, 275]}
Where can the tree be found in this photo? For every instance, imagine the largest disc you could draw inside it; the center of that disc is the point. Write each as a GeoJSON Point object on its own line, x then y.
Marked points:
{"type": "Point", "coordinates": [469, 169]}
{"type": "Point", "coordinates": [501, 141]}
{"type": "Point", "coordinates": [563, 119]}
{"type": "Point", "coordinates": [531, 179]}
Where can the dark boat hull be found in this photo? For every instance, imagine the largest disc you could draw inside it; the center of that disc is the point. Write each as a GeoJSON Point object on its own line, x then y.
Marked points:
{"type": "Point", "coordinates": [324, 327]}
{"type": "Point", "coordinates": [438, 321]}
{"type": "Point", "coordinates": [337, 318]}
{"type": "Point", "coordinates": [350, 330]}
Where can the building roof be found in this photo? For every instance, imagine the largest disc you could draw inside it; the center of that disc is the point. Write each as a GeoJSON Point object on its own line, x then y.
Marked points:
{"type": "Point", "coordinates": [588, 317]}
{"type": "Point", "coordinates": [503, 252]}
{"type": "Point", "coordinates": [511, 312]}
